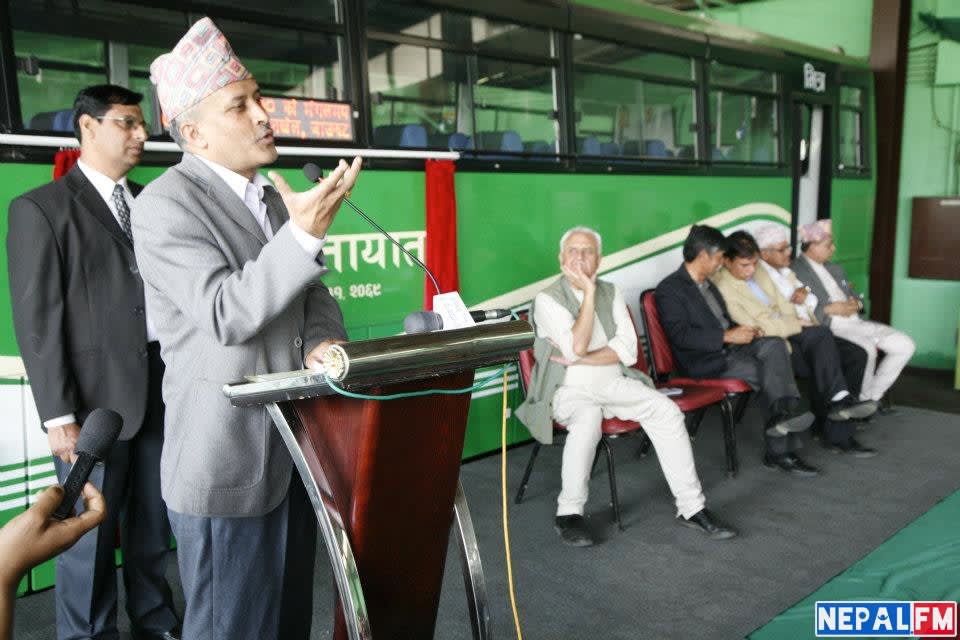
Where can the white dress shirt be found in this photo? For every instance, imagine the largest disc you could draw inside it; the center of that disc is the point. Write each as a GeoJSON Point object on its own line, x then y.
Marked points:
{"type": "Point", "coordinates": [555, 323]}
{"type": "Point", "coordinates": [251, 193]}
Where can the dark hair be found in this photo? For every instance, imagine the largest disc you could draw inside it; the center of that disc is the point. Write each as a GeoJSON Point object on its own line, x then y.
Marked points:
{"type": "Point", "coordinates": [740, 244]}
{"type": "Point", "coordinates": [96, 100]}
{"type": "Point", "coordinates": [804, 246]}
{"type": "Point", "coordinates": [702, 238]}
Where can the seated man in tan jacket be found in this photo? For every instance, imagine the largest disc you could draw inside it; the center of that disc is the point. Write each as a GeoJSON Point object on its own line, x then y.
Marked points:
{"type": "Point", "coordinates": [753, 299]}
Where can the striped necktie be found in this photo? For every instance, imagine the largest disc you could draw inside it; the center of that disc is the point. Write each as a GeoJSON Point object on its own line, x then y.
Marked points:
{"type": "Point", "coordinates": [123, 210]}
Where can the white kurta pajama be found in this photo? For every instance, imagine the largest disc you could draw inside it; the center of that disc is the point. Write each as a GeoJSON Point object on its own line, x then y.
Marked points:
{"type": "Point", "coordinates": [897, 346]}
{"type": "Point", "coordinates": [590, 393]}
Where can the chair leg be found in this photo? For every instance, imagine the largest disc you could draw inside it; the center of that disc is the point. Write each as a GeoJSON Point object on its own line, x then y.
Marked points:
{"type": "Point", "coordinates": [526, 473]}
{"type": "Point", "coordinates": [740, 406]}
{"type": "Point", "coordinates": [695, 421]}
{"type": "Point", "coordinates": [614, 500]}
{"type": "Point", "coordinates": [645, 445]}
{"type": "Point", "coordinates": [729, 437]}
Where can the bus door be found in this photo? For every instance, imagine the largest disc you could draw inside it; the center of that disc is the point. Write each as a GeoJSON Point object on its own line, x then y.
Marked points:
{"type": "Point", "coordinates": [811, 164]}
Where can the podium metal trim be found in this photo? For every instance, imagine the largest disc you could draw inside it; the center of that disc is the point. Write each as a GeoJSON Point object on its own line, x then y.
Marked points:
{"type": "Point", "coordinates": [334, 535]}
{"type": "Point", "coordinates": [472, 568]}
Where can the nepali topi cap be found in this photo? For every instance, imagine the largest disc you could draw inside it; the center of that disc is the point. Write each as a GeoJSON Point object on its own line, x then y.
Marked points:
{"type": "Point", "coordinates": [816, 231]}
{"type": "Point", "coordinates": [770, 235]}
{"type": "Point", "coordinates": [200, 64]}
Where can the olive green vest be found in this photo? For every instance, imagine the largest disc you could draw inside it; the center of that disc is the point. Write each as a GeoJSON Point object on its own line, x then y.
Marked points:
{"type": "Point", "coordinates": [536, 411]}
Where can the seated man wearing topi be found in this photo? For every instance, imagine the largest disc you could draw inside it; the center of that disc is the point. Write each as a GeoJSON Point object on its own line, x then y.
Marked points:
{"type": "Point", "coordinates": [838, 307]}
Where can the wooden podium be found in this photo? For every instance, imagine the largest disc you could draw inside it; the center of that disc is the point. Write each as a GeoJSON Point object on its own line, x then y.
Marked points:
{"type": "Point", "coordinates": [383, 474]}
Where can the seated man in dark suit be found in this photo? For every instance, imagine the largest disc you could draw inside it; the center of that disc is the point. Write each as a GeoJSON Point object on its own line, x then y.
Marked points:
{"type": "Point", "coordinates": [708, 344]}
{"type": "Point", "coordinates": [752, 298]}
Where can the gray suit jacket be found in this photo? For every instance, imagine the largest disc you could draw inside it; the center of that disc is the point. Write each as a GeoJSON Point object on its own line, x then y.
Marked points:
{"type": "Point", "coordinates": [806, 275]}
{"type": "Point", "coordinates": [226, 304]}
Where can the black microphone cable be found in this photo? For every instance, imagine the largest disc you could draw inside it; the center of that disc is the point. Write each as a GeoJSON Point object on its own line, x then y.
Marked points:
{"type": "Point", "coordinates": [314, 173]}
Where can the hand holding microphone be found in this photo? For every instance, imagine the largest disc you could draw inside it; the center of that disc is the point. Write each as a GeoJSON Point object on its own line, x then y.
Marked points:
{"type": "Point", "coordinates": [97, 436]}
{"type": "Point", "coordinates": [314, 210]}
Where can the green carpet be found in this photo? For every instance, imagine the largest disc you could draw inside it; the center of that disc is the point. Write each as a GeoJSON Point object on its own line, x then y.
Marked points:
{"type": "Point", "coordinates": [920, 562]}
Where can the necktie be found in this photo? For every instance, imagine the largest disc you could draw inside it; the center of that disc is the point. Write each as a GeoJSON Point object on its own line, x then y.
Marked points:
{"type": "Point", "coordinates": [123, 211]}
{"type": "Point", "coordinates": [276, 212]}
{"type": "Point", "coordinates": [714, 305]}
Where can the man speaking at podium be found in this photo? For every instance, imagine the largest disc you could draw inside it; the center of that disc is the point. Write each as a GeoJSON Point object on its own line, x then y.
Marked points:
{"type": "Point", "coordinates": [232, 272]}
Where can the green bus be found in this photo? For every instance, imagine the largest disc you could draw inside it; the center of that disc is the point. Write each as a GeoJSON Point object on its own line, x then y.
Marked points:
{"type": "Point", "coordinates": [634, 120]}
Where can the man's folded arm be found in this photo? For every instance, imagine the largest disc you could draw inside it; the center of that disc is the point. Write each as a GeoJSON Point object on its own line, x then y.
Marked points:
{"type": "Point", "coordinates": [554, 323]}
{"type": "Point", "coordinates": [624, 342]}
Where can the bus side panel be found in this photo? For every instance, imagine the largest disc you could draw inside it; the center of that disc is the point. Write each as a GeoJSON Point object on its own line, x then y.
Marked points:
{"type": "Point", "coordinates": [13, 471]}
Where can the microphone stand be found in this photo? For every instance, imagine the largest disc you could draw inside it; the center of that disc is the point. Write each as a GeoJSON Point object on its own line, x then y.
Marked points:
{"type": "Point", "coordinates": [399, 246]}
{"type": "Point", "coordinates": [310, 168]}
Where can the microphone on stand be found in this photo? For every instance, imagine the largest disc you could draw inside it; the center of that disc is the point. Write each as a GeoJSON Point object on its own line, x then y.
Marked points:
{"type": "Point", "coordinates": [314, 173]}
{"type": "Point", "coordinates": [427, 321]}
{"type": "Point", "coordinates": [100, 430]}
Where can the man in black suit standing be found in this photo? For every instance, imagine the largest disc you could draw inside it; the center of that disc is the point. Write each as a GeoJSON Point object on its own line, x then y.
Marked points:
{"type": "Point", "coordinates": [87, 342]}
{"type": "Point", "coordinates": [708, 344]}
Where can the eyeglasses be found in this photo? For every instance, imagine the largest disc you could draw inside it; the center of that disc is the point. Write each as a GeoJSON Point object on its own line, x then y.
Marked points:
{"type": "Point", "coordinates": [127, 123]}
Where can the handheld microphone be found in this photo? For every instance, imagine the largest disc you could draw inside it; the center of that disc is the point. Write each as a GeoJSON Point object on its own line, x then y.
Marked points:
{"type": "Point", "coordinates": [99, 432]}
{"type": "Point", "coordinates": [314, 173]}
{"type": "Point", "coordinates": [427, 321]}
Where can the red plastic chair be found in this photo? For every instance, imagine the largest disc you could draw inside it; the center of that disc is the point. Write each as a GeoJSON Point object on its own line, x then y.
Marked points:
{"type": "Point", "coordinates": [610, 428]}
{"type": "Point", "coordinates": [664, 366]}
{"type": "Point", "coordinates": [697, 397]}
{"type": "Point", "coordinates": [694, 400]}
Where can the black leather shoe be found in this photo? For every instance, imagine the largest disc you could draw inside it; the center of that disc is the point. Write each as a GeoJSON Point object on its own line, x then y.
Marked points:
{"type": "Point", "coordinates": [791, 463]}
{"type": "Point", "coordinates": [573, 530]}
{"type": "Point", "coordinates": [850, 409]}
{"type": "Point", "coordinates": [153, 635]}
{"type": "Point", "coordinates": [854, 448]}
{"type": "Point", "coordinates": [886, 407]}
{"type": "Point", "coordinates": [704, 521]}
{"type": "Point", "coordinates": [783, 423]}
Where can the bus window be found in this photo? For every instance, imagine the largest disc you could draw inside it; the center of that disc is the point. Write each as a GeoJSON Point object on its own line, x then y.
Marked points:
{"type": "Point", "coordinates": [290, 62]}
{"type": "Point", "coordinates": [63, 46]}
{"type": "Point", "coordinates": [850, 129]}
{"type": "Point", "coordinates": [633, 103]}
{"type": "Point", "coordinates": [460, 29]}
{"type": "Point", "coordinates": [511, 97]}
{"type": "Point", "coordinates": [744, 113]}
{"type": "Point", "coordinates": [53, 70]}
{"type": "Point", "coordinates": [416, 95]}
{"type": "Point", "coordinates": [450, 80]}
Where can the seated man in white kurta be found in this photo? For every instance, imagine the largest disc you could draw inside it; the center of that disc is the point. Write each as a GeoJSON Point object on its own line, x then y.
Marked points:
{"type": "Point", "coordinates": [585, 345]}
{"type": "Point", "coordinates": [839, 307]}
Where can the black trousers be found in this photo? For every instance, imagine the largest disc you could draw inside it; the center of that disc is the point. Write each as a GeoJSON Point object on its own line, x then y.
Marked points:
{"type": "Point", "coordinates": [86, 592]}
{"type": "Point", "coordinates": [831, 364]}
{"type": "Point", "coordinates": [765, 365]}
